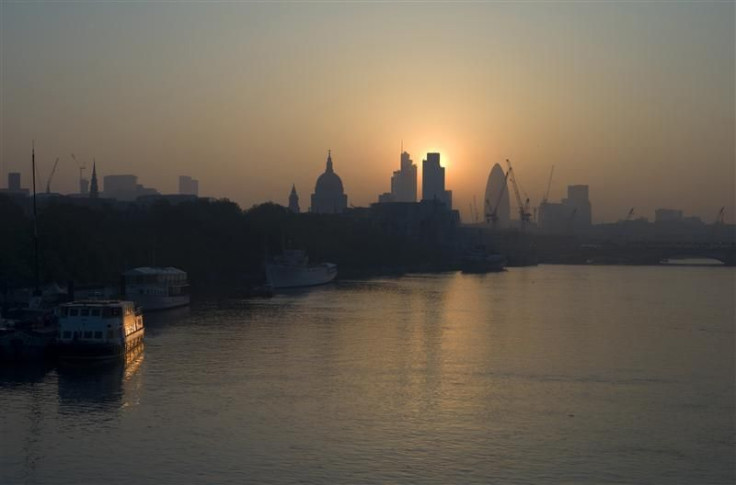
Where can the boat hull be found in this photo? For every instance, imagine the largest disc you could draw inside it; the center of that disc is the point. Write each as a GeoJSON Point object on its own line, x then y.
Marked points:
{"type": "Point", "coordinates": [289, 276]}
{"type": "Point", "coordinates": [86, 352]}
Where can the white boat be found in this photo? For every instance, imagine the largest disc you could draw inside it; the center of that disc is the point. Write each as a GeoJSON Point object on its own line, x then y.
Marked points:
{"type": "Point", "coordinates": [292, 270]}
{"type": "Point", "coordinates": [156, 288]}
{"type": "Point", "coordinates": [98, 329]}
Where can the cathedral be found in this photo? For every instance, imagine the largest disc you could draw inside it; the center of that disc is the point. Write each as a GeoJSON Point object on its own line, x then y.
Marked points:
{"type": "Point", "coordinates": [329, 197]}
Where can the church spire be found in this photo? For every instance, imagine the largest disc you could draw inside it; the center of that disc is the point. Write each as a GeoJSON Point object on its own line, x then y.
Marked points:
{"type": "Point", "coordinates": [329, 161]}
{"type": "Point", "coordinates": [94, 191]}
{"type": "Point", "coordinates": [294, 200]}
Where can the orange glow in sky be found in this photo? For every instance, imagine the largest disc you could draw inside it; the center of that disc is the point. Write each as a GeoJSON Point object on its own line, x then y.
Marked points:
{"type": "Point", "coordinates": [634, 99]}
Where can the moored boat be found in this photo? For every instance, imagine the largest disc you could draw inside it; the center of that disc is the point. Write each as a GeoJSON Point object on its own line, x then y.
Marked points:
{"type": "Point", "coordinates": [98, 329]}
{"type": "Point", "coordinates": [292, 270]}
{"type": "Point", "coordinates": [156, 288]}
{"type": "Point", "coordinates": [478, 260]}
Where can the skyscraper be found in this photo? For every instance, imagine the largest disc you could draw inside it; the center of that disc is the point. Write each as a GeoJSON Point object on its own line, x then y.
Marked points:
{"type": "Point", "coordinates": [497, 210]}
{"type": "Point", "coordinates": [433, 181]}
{"type": "Point", "coordinates": [404, 181]}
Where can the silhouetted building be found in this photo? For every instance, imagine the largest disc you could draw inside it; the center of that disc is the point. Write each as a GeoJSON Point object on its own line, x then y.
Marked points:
{"type": "Point", "coordinates": [386, 198]}
{"type": "Point", "coordinates": [329, 197]}
{"type": "Point", "coordinates": [404, 181]}
{"type": "Point", "coordinates": [294, 201]}
{"type": "Point", "coordinates": [124, 188]}
{"type": "Point", "coordinates": [14, 181]}
{"type": "Point", "coordinates": [497, 210]}
{"type": "Point", "coordinates": [94, 191]}
{"type": "Point", "coordinates": [573, 213]}
{"type": "Point", "coordinates": [433, 181]}
{"type": "Point", "coordinates": [577, 199]}
{"type": "Point", "coordinates": [14, 188]}
{"type": "Point", "coordinates": [83, 186]}
{"type": "Point", "coordinates": [188, 185]}
{"type": "Point", "coordinates": [667, 215]}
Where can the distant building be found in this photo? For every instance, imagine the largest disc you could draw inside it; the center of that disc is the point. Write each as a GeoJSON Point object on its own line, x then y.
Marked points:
{"type": "Point", "coordinates": [573, 213]}
{"type": "Point", "coordinates": [188, 185]}
{"type": "Point", "coordinates": [496, 205]}
{"type": "Point", "coordinates": [294, 200]}
{"type": "Point", "coordinates": [433, 181]}
{"type": "Point", "coordinates": [14, 181]}
{"type": "Point", "coordinates": [329, 196]}
{"type": "Point", "coordinates": [124, 188]}
{"type": "Point", "coordinates": [404, 181]}
{"type": "Point", "coordinates": [14, 188]}
{"type": "Point", "coordinates": [667, 215]}
{"type": "Point", "coordinates": [577, 199]}
{"type": "Point", "coordinates": [83, 186]}
{"type": "Point", "coordinates": [386, 198]}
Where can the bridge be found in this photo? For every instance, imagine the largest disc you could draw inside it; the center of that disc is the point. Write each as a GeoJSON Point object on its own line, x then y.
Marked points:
{"type": "Point", "coordinates": [656, 252]}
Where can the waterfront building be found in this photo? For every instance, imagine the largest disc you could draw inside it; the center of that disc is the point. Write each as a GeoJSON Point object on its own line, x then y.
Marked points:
{"type": "Point", "coordinates": [294, 200]}
{"type": "Point", "coordinates": [188, 185]}
{"type": "Point", "coordinates": [433, 181]}
{"type": "Point", "coordinates": [329, 196]}
{"type": "Point", "coordinates": [496, 206]}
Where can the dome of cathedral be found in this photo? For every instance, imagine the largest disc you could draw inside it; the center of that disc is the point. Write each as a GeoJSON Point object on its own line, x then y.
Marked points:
{"type": "Point", "coordinates": [328, 183]}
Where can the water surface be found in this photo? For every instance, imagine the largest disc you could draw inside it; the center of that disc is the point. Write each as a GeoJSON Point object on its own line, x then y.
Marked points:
{"type": "Point", "coordinates": [545, 375]}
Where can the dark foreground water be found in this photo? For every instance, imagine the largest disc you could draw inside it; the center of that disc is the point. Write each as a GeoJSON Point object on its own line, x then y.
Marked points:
{"type": "Point", "coordinates": [537, 375]}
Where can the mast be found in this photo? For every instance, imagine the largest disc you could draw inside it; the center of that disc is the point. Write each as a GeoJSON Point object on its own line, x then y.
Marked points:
{"type": "Point", "coordinates": [37, 290]}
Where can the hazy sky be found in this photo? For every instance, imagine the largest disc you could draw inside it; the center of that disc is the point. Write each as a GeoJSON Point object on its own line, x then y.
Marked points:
{"type": "Point", "coordinates": [634, 99]}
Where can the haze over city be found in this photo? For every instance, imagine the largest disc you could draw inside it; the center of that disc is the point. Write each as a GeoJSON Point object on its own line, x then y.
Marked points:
{"type": "Point", "coordinates": [635, 100]}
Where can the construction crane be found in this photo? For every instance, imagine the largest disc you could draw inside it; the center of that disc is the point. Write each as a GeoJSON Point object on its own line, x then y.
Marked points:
{"type": "Point", "coordinates": [630, 214]}
{"type": "Point", "coordinates": [524, 214]}
{"type": "Point", "coordinates": [492, 216]}
{"type": "Point", "coordinates": [51, 176]}
{"type": "Point", "coordinates": [82, 167]}
{"type": "Point", "coordinates": [549, 184]}
{"type": "Point", "coordinates": [720, 218]}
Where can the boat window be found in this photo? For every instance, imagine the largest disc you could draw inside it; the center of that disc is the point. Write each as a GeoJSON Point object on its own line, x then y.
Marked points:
{"type": "Point", "coordinates": [95, 312]}
{"type": "Point", "coordinates": [73, 312]}
{"type": "Point", "coordinates": [76, 335]}
{"type": "Point", "coordinates": [85, 312]}
{"type": "Point", "coordinates": [107, 312]}
{"type": "Point", "coordinates": [67, 334]}
{"type": "Point", "coordinates": [87, 334]}
{"type": "Point", "coordinates": [98, 334]}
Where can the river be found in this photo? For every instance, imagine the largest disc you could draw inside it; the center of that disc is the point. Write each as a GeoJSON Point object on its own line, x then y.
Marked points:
{"type": "Point", "coordinates": [549, 374]}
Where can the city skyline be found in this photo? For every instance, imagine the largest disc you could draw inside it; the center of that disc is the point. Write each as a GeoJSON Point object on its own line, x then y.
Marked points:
{"type": "Point", "coordinates": [636, 101]}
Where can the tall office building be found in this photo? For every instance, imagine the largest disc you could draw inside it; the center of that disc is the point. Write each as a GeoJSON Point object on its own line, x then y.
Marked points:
{"type": "Point", "coordinates": [496, 206]}
{"type": "Point", "coordinates": [188, 185]}
{"type": "Point", "coordinates": [578, 201]}
{"type": "Point", "coordinates": [433, 181]}
{"type": "Point", "coordinates": [404, 181]}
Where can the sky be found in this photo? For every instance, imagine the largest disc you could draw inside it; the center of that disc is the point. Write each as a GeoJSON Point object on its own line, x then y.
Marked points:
{"type": "Point", "coordinates": [634, 99]}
